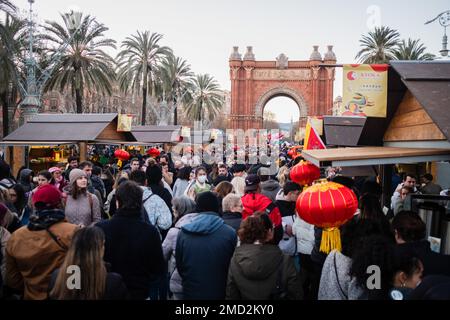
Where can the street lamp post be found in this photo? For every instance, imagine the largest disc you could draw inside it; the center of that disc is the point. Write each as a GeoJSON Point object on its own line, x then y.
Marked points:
{"type": "Point", "coordinates": [444, 20]}
{"type": "Point", "coordinates": [33, 87]}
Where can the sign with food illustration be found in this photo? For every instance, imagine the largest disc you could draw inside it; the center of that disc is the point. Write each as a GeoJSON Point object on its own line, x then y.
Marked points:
{"type": "Point", "coordinates": [365, 90]}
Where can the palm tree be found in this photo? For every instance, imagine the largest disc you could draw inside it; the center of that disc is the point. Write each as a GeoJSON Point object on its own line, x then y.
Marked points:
{"type": "Point", "coordinates": [138, 63]}
{"type": "Point", "coordinates": [207, 100]}
{"type": "Point", "coordinates": [83, 64]}
{"type": "Point", "coordinates": [12, 47]}
{"type": "Point", "coordinates": [412, 50]}
{"type": "Point", "coordinates": [175, 83]}
{"type": "Point", "coordinates": [7, 6]}
{"type": "Point", "coordinates": [378, 46]}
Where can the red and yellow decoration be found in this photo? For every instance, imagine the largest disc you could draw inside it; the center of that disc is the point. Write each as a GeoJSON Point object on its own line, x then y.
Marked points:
{"type": "Point", "coordinates": [304, 173]}
{"type": "Point", "coordinates": [327, 205]}
{"type": "Point", "coordinates": [312, 138]}
{"type": "Point", "coordinates": [295, 152]}
{"type": "Point", "coordinates": [122, 155]}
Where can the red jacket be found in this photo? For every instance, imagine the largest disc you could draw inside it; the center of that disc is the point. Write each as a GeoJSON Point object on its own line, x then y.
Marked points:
{"type": "Point", "coordinates": [254, 202]}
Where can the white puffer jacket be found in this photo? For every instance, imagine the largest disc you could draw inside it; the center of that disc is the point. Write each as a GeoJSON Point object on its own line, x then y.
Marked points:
{"type": "Point", "coordinates": [305, 235]}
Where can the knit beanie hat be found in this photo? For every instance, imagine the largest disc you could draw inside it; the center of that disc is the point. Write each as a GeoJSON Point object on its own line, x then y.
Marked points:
{"type": "Point", "coordinates": [75, 174]}
{"type": "Point", "coordinates": [207, 202]}
{"type": "Point", "coordinates": [154, 174]}
{"type": "Point", "coordinates": [47, 196]}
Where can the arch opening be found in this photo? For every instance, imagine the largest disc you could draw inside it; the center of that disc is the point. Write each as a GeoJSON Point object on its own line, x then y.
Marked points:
{"type": "Point", "coordinates": [282, 112]}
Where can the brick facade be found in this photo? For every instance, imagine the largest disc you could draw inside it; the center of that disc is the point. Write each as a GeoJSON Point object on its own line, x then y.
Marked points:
{"type": "Point", "coordinates": [254, 83]}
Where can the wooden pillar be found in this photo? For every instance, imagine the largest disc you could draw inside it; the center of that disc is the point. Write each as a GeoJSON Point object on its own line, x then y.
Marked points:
{"type": "Point", "coordinates": [15, 157]}
{"type": "Point", "coordinates": [83, 151]}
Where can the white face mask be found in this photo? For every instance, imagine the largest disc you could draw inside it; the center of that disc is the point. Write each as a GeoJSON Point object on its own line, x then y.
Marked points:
{"type": "Point", "coordinates": [201, 179]}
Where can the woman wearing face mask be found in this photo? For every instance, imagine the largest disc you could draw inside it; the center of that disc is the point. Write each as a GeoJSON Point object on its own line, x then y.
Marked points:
{"type": "Point", "coordinates": [82, 207]}
{"type": "Point", "coordinates": [200, 185]}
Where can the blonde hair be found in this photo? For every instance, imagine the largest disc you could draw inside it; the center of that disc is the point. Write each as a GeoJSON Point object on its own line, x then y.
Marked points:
{"type": "Point", "coordinates": [230, 201]}
{"type": "Point", "coordinates": [86, 252]}
{"type": "Point", "coordinates": [283, 175]}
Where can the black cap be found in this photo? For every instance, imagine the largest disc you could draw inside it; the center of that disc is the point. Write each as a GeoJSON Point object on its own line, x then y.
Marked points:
{"type": "Point", "coordinates": [251, 182]}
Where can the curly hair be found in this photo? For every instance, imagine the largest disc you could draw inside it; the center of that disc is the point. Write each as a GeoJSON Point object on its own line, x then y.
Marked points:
{"type": "Point", "coordinates": [353, 231]}
{"type": "Point", "coordinates": [373, 250]}
{"type": "Point", "coordinates": [255, 228]}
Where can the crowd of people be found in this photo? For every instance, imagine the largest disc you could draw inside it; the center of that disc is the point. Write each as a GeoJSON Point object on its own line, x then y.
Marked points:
{"type": "Point", "coordinates": [159, 229]}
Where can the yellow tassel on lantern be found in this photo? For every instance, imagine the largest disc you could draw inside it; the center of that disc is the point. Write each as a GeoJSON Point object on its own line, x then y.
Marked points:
{"type": "Point", "coordinates": [119, 163]}
{"type": "Point", "coordinates": [331, 240]}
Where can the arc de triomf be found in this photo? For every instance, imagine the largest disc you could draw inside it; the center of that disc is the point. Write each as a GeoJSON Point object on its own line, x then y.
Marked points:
{"type": "Point", "coordinates": [253, 83]}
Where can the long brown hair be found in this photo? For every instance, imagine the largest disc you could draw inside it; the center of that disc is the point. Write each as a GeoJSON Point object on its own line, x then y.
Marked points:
{"type": "Point", "coordinates": [224, 188]}
{"type": "Point", "coordinates": [76, 191]}
{"type": "Point", "coordinates": [86, 252]}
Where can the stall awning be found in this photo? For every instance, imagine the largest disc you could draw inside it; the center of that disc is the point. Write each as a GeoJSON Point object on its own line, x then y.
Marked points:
{"type": "Point", "coordinates": [35, 143]}
{"type": "Point", "coordinates": [366, 156]}
{"type": "Point", "coordinates": [157, 134]}
{"type": "Point", "coordinates": [61, 128]}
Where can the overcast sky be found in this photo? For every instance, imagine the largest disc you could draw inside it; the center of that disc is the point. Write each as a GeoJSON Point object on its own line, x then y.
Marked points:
{"type": "Point", "coordinates": [204, 31]}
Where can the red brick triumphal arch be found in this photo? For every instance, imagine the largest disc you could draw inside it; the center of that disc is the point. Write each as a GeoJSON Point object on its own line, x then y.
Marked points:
{"type": "Point", "coordinates": [253, 83]}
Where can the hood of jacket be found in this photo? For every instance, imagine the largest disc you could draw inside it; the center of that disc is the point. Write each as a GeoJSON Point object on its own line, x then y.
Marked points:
{"type": "Point", "coordinates": [205, 223]}
{"type": "Point", "coordinates": [186, 219]}
{"type": "Point", "coordinates": [253, 202]}
{"type": "Point", "coordinates": [270, 185]}
{"type": "Point", "coordinates": [25, 176]}
{"type": "Point", "coordinates": [258, 262]}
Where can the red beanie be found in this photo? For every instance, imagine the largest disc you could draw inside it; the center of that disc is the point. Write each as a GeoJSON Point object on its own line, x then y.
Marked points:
{"type": "Point", "coordinates": [47, 196]}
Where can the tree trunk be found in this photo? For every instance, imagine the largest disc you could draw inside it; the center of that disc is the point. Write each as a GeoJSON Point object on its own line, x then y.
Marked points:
{"type": "Point", "coordinates": [175, 115]}
{"type": "Point", "coordinates": [144, 105]}
{"type": "Point", "coordinates": [5, 115]}
{"type": "Point", "coordinates": [79, 100]}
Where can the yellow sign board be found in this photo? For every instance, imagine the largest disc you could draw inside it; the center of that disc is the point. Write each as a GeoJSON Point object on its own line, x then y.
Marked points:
{"type": "Point", "coordinates": [124, 123]}
{"type": "Point", "coordinates": [365, 90]}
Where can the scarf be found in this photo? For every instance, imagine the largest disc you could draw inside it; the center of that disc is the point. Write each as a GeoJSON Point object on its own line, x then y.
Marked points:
{"type": "Point", "coordinates": [44, 219]}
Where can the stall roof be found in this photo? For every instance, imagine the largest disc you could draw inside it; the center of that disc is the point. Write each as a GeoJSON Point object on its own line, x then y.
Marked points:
{"type": "Point", "coordinates": [157, 134]}
{"type": "Point", "coordinates": [365, 156]}
{"type": "Point", "coordinates": [54, 129]}
{"type": "Point", "coordinates": [429, 82]}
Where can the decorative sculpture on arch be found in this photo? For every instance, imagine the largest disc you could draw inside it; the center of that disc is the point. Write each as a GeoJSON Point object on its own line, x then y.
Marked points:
{"type": "Point", "coordinates": [282, 61]}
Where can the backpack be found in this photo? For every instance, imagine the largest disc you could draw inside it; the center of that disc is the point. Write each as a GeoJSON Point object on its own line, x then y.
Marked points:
{"type": "Point", "coordinates": [159, 211]}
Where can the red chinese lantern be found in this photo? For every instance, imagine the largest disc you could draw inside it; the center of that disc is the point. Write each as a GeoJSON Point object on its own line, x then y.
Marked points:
{"type": "Point", "coordinates": [153, 152]}
{"type": "Point", "coordinates": [291, 153]}
{"type": "Point", "coordinates": [304, 173]}
{"type": "Point", "coordinates": [327, 205]}
{"type": "Point", "coordinates": [122, 155]}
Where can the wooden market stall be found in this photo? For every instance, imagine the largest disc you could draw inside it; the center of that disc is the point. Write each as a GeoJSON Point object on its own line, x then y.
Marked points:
{"type": "Point", "coordinates": [48, 137]}
{"type": "Point", "coordinates": [415, 133]}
